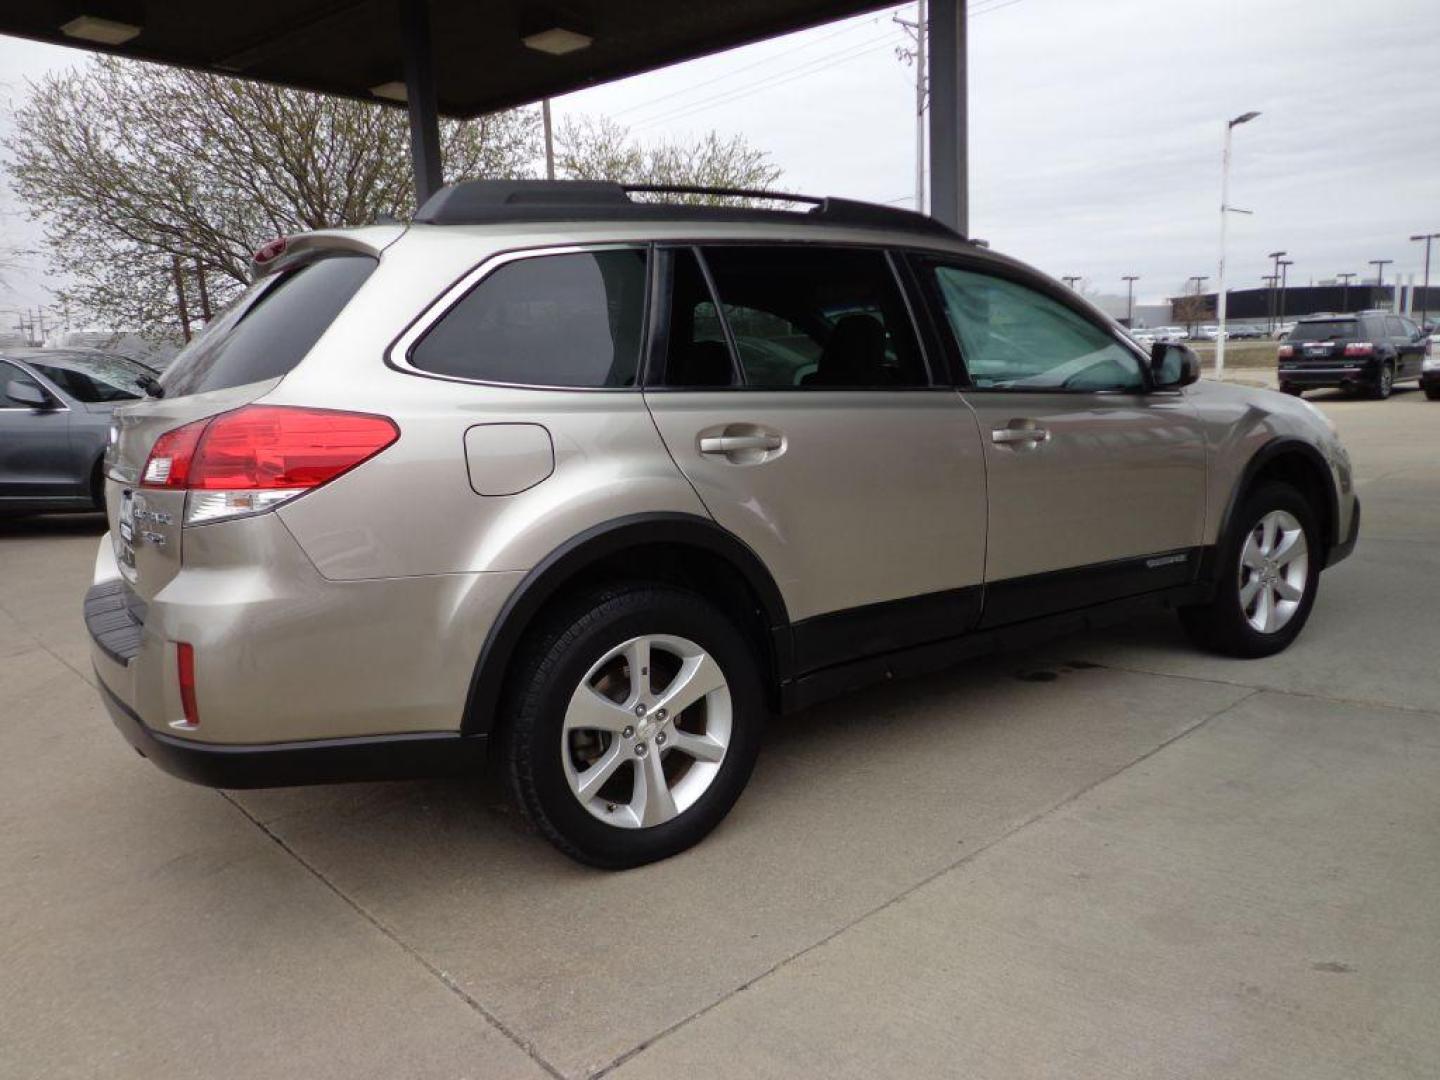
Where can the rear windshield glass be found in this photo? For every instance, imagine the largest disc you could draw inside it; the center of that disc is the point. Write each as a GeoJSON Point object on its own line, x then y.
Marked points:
{"type": "Point", "coordinates": [1323, 330]}
{"type": "Point", "coordinates": [93, 379]}
{"type": "Point", "coordinates": [270, 328]}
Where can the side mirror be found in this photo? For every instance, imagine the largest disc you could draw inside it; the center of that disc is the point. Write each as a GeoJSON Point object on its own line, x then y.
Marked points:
{"type": "Point", "coordinates": [25, 392]}
{"type": "Point", "coordinates": [1173, 366]}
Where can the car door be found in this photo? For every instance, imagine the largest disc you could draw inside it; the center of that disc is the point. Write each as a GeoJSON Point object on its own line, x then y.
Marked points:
{"type": "Point", "coordinates": [801, 408]}
{"type": "Point", "coordinates": [1408, 351]}
{"type": "Point", "coordinates": [34, 443]}
{"type": "Point", "coordinates": [1096, 486]}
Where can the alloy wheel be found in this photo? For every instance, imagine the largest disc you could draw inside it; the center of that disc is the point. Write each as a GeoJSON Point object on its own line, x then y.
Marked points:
{"type": "Point", "coordinates": [1274, 571]}
{"type": "Point", "coordinates": [646, 731]}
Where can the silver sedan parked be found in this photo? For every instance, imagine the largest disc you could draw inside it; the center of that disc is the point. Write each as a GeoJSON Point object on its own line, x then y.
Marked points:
{"type": "Point", "coordinates": [55, 409]}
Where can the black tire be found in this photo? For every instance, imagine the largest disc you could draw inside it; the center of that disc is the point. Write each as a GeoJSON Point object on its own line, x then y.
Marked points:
{"type": "Point", "coordinates": [1384, 382]}
{"type": "Point", "coordinates": [1433, 392]}
{"type": "Point", "coordinates": [97, 485]}
{"type": "Point", "coordinates": [1291, 389]}
{"type": "Point", "coordinates": [1221, 625]}
{"type": "Point", "coordinates": [558, 655]}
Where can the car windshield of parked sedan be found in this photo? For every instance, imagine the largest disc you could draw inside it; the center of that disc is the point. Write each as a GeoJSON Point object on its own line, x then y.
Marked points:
{"type": "Point", "coordinates": [1323, 330]}
{"type": "Point", "coordinates": [93, 379]}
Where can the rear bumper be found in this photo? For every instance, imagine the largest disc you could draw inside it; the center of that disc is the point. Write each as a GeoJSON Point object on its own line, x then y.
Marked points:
{"type": "Point", "coordinates": [1343, 549]}
{"type": "Point", "coordinates": [1328, 375]}
{"type": "Point", "coordinates": [320, 761]}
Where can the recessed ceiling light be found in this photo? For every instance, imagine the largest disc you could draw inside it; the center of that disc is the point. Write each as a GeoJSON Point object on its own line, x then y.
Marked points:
{"type": "Point", "coordinates": [391, 91]}
{"type": "Point", "coordinates": [557, 41]}
{"type": "Point", "coordinates": [104, 31]}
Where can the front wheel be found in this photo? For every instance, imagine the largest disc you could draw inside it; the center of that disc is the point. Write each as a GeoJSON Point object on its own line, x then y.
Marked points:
{"type": "Point", "coordinates": [1268, 570]}
{"type": "Point", "coordinates": [1432, 391]}
{"type": "Point", "coordinates": [636, 722]}
{"type": "Point", "coordinates": [1291, 389]}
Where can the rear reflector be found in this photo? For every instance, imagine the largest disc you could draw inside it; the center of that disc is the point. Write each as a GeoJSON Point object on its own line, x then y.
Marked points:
{"type": "Point", "coordinates": [185, 664]}
{"type": "Point", "coordinates": [259, 456]}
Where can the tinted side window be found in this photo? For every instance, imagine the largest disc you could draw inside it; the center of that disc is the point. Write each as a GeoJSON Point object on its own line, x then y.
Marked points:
{"type": "Point", "coordinates": [1014, 338]}
{"type": "Point", "coordinates": [270, 328]}
{"type": "Point", "coordinates": [93, 382]}
{"type": "Point", "coordinates": [816, 318]}
{"type": "Point", "coordinates": [696, 353]}
{"type": "Point", "coordinates": [550, 320]}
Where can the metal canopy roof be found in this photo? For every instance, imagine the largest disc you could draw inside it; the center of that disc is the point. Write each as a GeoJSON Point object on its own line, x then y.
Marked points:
{"type": "Point", "coordinates": [481, 62]}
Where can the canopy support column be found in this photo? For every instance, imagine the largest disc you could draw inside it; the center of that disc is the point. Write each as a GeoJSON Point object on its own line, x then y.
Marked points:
{"type": "Point", "coordinates": [949, 135]}
{"type": "Point", "coordinates": [420, 98]}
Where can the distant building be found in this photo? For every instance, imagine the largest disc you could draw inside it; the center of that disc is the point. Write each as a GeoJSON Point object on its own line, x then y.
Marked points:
{"type": "Point", "coordinates": [1265, 305]}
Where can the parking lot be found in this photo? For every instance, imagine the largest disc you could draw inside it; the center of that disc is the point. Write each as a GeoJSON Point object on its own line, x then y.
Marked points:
{"type": "Point", "coordinates": [1111, 856]}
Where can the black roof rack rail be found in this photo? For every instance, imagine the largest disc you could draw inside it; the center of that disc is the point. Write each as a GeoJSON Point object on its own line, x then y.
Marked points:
{"type": "Point", "coordinates": [482, 202]}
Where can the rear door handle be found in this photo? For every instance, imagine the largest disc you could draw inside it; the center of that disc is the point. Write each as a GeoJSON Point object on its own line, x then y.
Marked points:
{"type": "Point", "coordinates": [730, 444]}
{"type": "Point", "coordinates": [1009, 436]}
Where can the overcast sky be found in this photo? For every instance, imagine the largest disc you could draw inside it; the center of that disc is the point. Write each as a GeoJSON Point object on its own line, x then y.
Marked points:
{"type": "Point", "coordinates": [1095, 129]}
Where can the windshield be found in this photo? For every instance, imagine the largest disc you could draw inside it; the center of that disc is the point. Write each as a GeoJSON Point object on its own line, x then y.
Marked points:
{"type": "Point", "coordinates": [1323, 330]}
{"type": "Point", "coordinates": [270, 326]}
{"type": "Point", "coordinates": [92, 379]}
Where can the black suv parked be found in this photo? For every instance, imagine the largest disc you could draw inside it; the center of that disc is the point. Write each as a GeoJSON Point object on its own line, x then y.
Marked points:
{"type": "Point", "coordinates": [1371, 350]}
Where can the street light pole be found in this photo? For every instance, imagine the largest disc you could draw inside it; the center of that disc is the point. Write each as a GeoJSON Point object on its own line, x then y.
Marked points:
{"type": "Point", "coordinates": [1425, 288]}
{"type": "Point", "coordinates": [1225, 210]}
{"type": "Point", "coordinates": [1274, 285]}
{"type": "Point", "coordinates": [1197, 280]}
{"type": "Point", "coordinates": [1071, 279]}
{"type": "Point", "coordinates": [1130, 280]}
{"type": "Point", "coordinates": [1345, 291]}
{"type": "Point", "coordinates": [1284, 265]}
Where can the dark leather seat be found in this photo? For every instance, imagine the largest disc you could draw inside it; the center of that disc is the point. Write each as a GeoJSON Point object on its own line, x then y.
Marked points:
{"type": "Point", "coordinates": [854, 355]}
{"type": "Point", "coordinates": [704, 363]}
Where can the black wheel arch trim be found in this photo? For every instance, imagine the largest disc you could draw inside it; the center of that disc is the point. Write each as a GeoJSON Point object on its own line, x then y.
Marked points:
{"type": "Point", "coordinates": [1278, 447]}
{"type": "Point", "coordinates": [545, 580]}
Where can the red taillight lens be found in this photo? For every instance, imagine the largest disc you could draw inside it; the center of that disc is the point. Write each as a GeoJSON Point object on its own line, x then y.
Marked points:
{"type": "Point", "coordinates": [266, 446]}
{"type": "Point", "coordinates": [1286, 350]}
{"type": "Point", "coordinates": [274, 446]}
{"type": "Point", "coordinates": [1359, 348]}
{"type": "Point", "coordinates": [168, 465]}
{"type": "Point", "coordinates": [185, 665]}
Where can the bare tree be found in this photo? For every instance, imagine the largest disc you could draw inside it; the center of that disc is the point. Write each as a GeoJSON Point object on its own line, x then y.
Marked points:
{"type": "Point", "coordinates": [600, 149]}
{"type": "Point", "coordinates": [1190, 310]}
{"type": "Point", "coordinates": [131, 165]}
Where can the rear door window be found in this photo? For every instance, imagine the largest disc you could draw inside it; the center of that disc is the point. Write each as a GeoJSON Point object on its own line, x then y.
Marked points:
{"type": "Point", "coordinates": [813, 318]}
{"type": "Point", "coordinates": [270, 328]}
{"type": "Point", "coordinates": [570, 320]}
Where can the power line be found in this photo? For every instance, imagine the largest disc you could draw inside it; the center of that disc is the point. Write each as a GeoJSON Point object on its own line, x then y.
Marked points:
{"type": "Point", "coordinates": [754, 64]}
{"type": "Point", "coordinates": [817, 65]}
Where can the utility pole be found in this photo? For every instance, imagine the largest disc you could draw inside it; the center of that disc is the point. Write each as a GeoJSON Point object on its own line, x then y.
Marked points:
{"type": "Point", "coordinates": [1284, 265]}
{"type": "Point", "coordinates": [1070, 279]}
{"type": "Point", "coordinates": [549, 140]}
{"type": "Point", "coordinates": [180, 295]}
{"type": "Point", "coordinates": [1225, 211]}
{"type": "Point", "coordinates": [1425, 288]}
{"type": "Point", "coordinates": [1130, 280]}
{"type": "Point", "coordinates": [918, 55]}
{"type": "Point", "coordinates": [1345, 291]}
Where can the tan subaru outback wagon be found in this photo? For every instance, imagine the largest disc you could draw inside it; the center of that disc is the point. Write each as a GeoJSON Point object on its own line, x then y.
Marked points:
{"type": "Point", "coordinates": [600, 484]}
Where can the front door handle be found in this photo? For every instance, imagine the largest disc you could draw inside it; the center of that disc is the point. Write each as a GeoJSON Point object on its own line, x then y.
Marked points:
{"type": "Point", "coordinates": [730, 444]}
{"type": "Point", "coordinates": [1020, 436]}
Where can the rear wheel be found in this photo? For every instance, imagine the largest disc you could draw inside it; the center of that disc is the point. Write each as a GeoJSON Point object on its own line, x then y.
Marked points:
{"type": "Point", "coordinates": [636, 721]}
{"type": "Point", "coordinates": [1291, 389]}
{"type": "Point", "coordinates": [97, 485]}
{"type": "Point", "coordinates": [1433, 392]}
{"type": "Point", "coordinates": [1384, 382]}
{"type": "Point", "coordinates": [1267, 572]}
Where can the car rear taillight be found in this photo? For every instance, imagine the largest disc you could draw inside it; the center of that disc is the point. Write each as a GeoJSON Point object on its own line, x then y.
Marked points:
{"type": "Point", "coordinates": [260, 456]}
{"type": "Point", "coordinates": [1359, 348]}
{"type": "Point", "coordinates": [185, 665]}
{"type": "Point", "coordinates": [1286, 351]}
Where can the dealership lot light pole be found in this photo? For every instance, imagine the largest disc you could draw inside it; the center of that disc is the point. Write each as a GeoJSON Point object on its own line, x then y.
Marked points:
{"type": "Point", "coordinates": [1380, 265]}
{"type": "Point", "coordinates": [1130, 280]}
{"type": "Point", "coordinates": [1284, 265]}
{"type": "Point", "coordinates": [1425, 287]}
{"type": "Point", "coordinates": [1345, 291]}
{"type": "Point", "coordinates": [1274, 285]}
{"type": "Point", "coordinates": [1225, 211]}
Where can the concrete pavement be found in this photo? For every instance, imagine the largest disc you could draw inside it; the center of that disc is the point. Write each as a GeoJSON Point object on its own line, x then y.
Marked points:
{"type": "Point", "coordinates": [1107, 857]}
